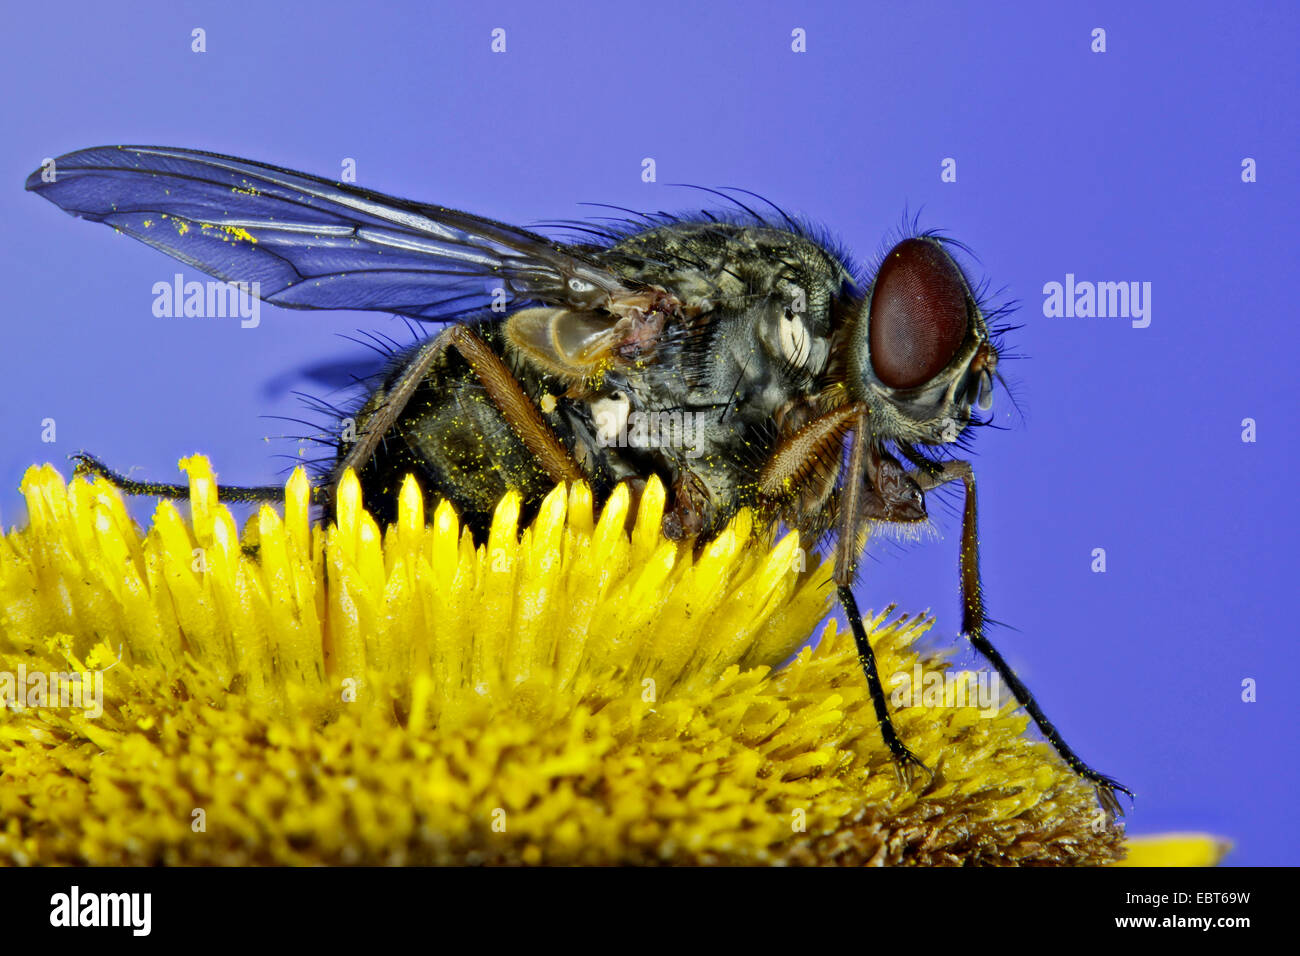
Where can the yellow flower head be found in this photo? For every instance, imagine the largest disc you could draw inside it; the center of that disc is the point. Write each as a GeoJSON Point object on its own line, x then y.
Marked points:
{"type": "Point", "coordinates": [572, 692]}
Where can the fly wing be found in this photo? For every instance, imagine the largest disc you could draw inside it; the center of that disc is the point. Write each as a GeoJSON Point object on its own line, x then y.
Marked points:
{"type": "Point", "coordinates": [314, 244]}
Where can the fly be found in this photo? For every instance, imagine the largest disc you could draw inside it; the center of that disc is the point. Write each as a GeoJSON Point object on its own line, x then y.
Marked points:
{"type": "Point", "coordinates": [739, 357]}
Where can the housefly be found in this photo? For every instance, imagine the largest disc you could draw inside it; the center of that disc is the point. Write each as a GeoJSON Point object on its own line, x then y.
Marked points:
{"type": "Point", "coordinates": [738, 356]}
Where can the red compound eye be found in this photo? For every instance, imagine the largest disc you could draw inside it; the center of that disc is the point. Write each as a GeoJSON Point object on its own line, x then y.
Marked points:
{"type": "Point", "coordinates": [918, 314]}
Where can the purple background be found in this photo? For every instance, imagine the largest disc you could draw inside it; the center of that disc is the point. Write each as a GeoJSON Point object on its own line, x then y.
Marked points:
{"type": "Point", "coordinates": [1116, 166]}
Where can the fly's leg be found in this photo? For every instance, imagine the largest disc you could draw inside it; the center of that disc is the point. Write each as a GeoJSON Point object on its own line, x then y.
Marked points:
{"type": "Point", "coordinates": [503, 389]}
{"type": "Point", "coordinates": [794, 461]}
{"type": "Point", "coordinates": [854, 511]}
{"type": "Point", "coordinates": [500, 384]}
{"type": "Point", "coordinates": [88, 464]}
{"type": "Point", "coordinates": [973, 625]}
{"type": "Point", "coordinates": [905, 762]}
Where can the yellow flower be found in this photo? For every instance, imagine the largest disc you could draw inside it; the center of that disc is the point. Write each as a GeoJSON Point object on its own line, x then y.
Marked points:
{"type": "Point", "coordinates": [573, 693]}
{"type": "Point", "coordinates": [1175, 849]}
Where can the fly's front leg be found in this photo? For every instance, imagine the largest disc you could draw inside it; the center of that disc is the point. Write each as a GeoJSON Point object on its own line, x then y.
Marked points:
{"type": "Point", "coordinates": [973, 625]}
{"type": "Point", "coordinates": [859, 499]}
{"type": "Point", "coordinates": [794, 468]}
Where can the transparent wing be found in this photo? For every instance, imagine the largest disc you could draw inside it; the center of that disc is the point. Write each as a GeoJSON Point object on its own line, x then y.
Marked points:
{"type": "Point", "coordinates": [313, 244]}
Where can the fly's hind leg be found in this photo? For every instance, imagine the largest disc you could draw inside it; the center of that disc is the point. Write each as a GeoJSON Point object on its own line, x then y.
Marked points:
{"type": "Point", "coordinates": [88, 464]}
{"type": "Point", "coordinates": [502, 388]}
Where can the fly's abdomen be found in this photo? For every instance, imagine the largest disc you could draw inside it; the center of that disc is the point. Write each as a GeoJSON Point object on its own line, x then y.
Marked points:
{"type": "Point", "coordinates": [462, 447]}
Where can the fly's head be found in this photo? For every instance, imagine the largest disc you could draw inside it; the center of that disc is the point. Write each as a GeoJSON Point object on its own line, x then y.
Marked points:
{"type": "Point", "coordinates": [920, 351]}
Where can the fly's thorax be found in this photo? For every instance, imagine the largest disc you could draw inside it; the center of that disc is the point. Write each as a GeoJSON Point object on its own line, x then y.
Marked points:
{"type": "Point", "coordinates": [725, 265]}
